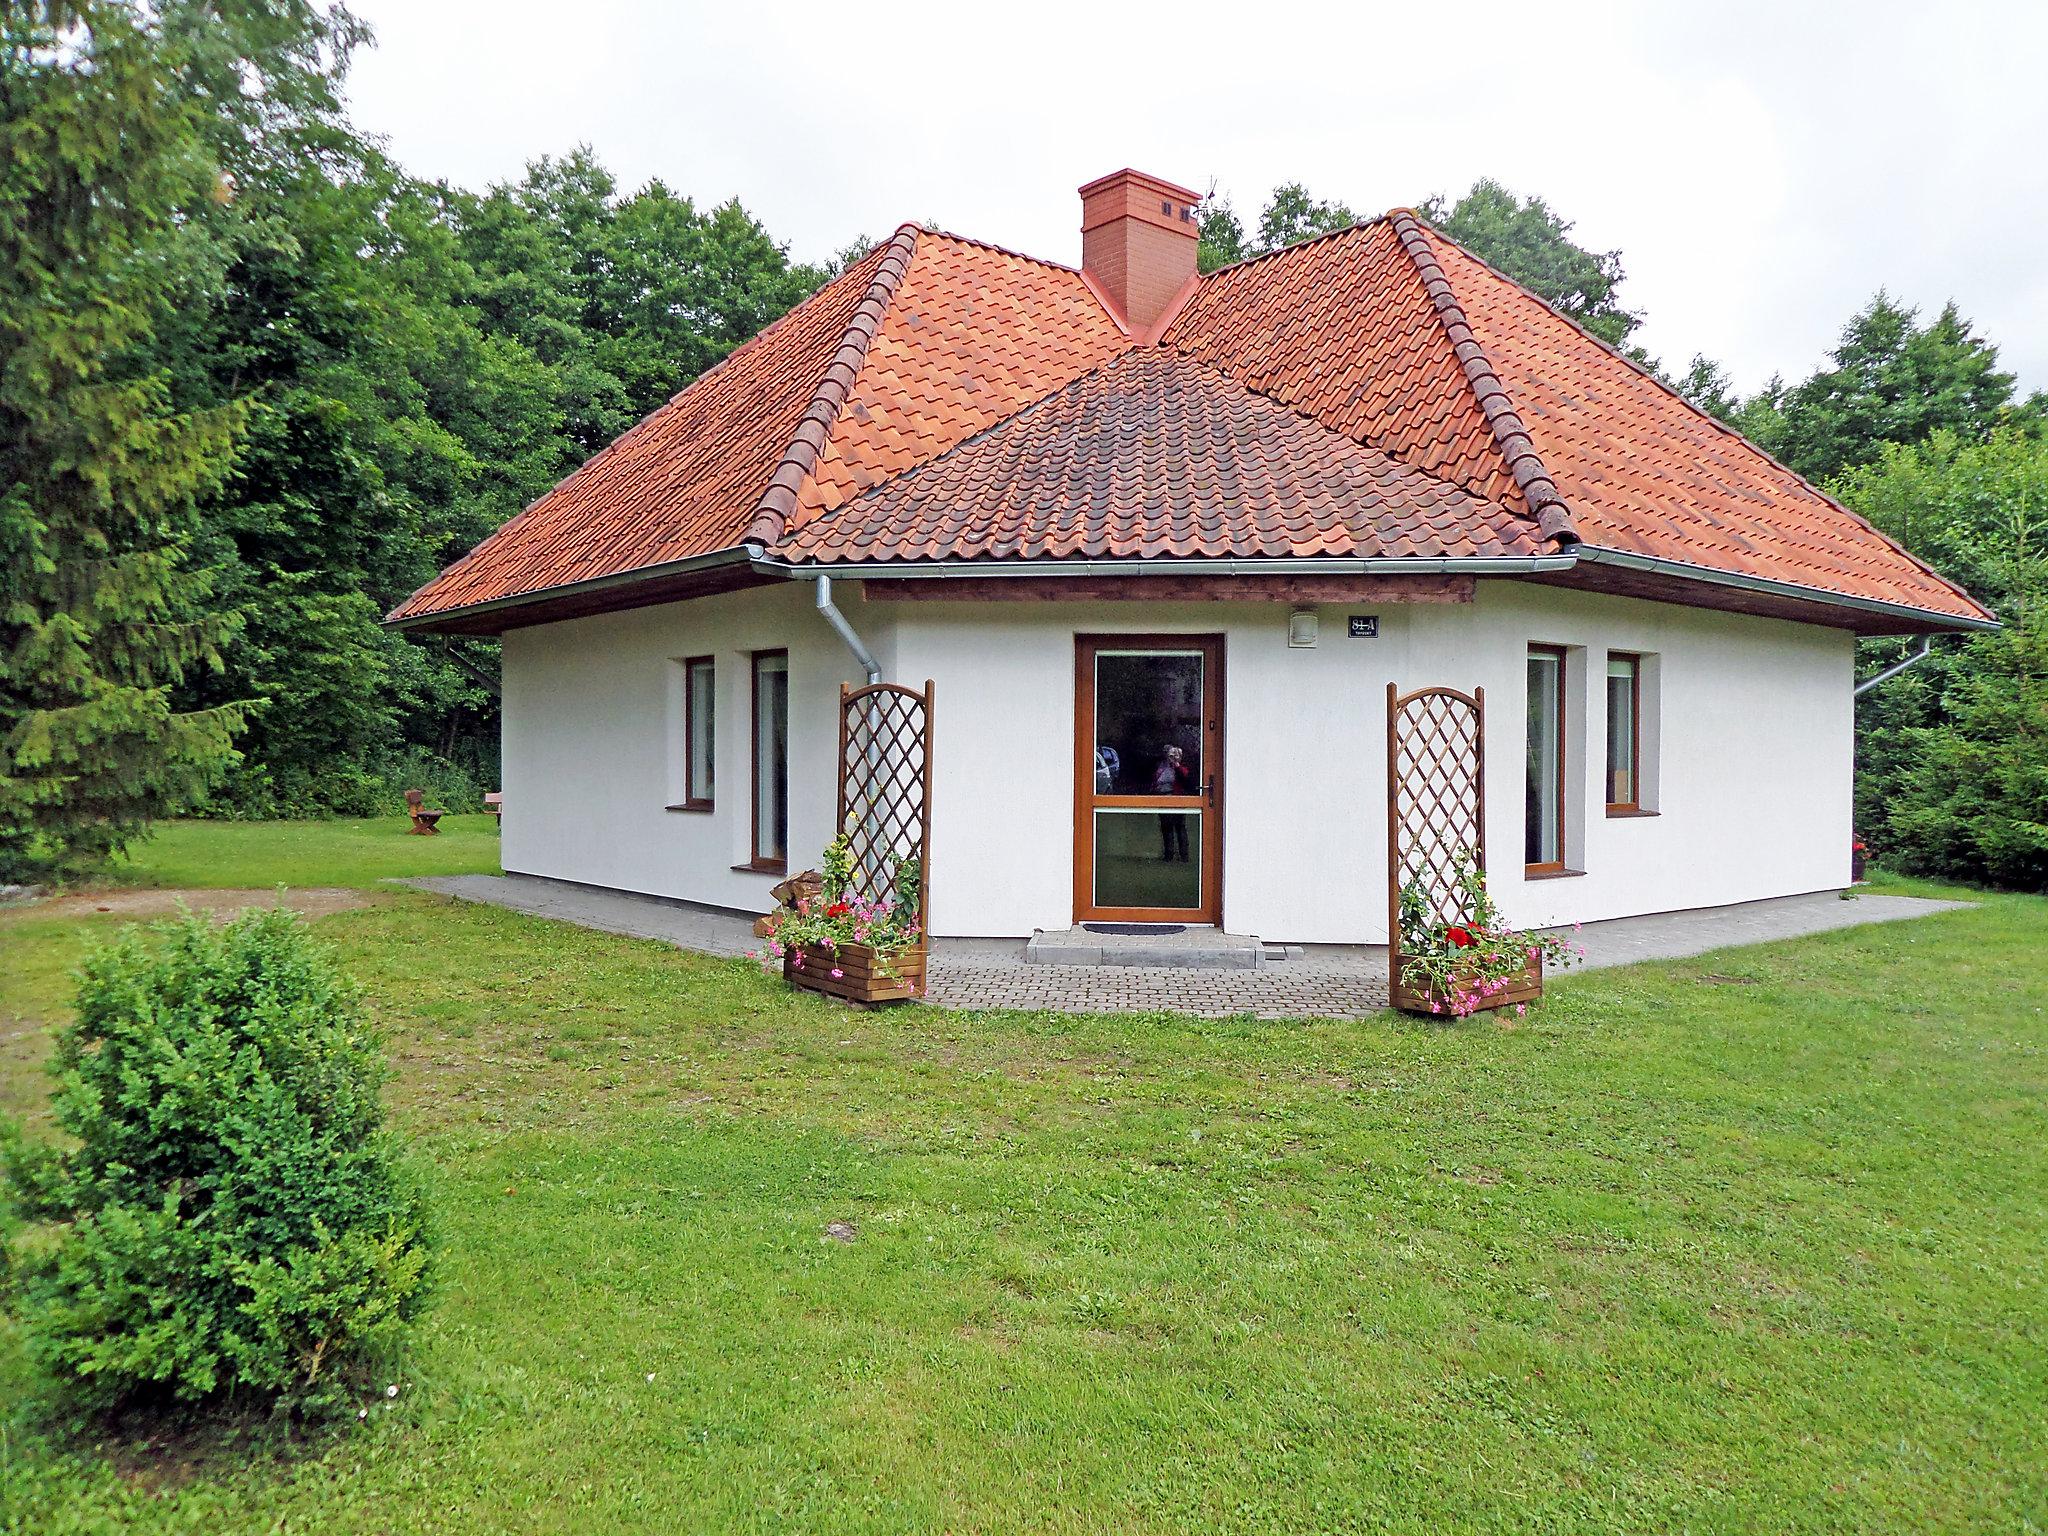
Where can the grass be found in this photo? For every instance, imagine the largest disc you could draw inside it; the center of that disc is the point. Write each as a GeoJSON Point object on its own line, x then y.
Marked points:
{"type": "Point", "coordinates": [1753, 1242]}
{"type": "Point", "coordinates": [259, 854]}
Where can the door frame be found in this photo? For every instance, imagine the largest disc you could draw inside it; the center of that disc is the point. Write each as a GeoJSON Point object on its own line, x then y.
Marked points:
{"type": "Point", "coordinates": [1208, 800]}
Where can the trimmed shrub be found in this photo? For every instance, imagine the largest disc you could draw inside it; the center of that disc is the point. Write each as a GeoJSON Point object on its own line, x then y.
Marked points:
{"type": "Point", "coordinates": [234, 1220]}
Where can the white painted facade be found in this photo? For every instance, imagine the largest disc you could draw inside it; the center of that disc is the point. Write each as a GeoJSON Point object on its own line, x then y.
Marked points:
{"type": "Point", "coordinates": [1746, 747]}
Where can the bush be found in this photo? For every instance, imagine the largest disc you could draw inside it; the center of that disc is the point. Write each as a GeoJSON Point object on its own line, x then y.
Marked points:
{"type": "Point", "coordinates": [234, 1221]}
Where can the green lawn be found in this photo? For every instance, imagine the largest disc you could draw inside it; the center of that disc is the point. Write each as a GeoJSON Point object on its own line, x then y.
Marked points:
{"type": "Point", "coordinates": [1751, 1243]}
{"type": "Point", "coordinates": [248, 854]}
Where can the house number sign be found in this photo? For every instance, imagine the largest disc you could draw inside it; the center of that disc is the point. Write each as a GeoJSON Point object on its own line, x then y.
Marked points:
{"type": "Point", "coordinates": [1365, 626]}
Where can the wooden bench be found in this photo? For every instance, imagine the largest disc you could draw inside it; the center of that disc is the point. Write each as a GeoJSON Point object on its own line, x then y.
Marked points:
{"type": "Point", "coordinates": [422, 819]}
{"type": "Point", "coordinates": [495, 804]}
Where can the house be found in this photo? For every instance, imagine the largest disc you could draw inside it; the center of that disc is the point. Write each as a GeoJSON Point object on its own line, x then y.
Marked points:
{"type": "Point", "coordinates": [1161, 541]}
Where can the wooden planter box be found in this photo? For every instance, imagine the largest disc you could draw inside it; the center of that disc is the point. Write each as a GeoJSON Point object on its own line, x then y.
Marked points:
{"type": "Point", "coordinates": [1526, 989]}
{"type": "Point", "coordinates": [864, 978]}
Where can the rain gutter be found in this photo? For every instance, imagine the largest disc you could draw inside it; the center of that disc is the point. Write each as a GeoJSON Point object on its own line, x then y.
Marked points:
{"type": "Point", "coordinates": [1594, 554]}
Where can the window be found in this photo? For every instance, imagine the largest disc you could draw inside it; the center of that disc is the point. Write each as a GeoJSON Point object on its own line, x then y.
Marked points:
{"type": "Point", "coordinates": [700, 733]}
{"type": "Point", "coordinates": [1543, 834]}
{"type": "Point", "coordinates": [771, 760]}
{"type": "Point", "coordinates": [1624, 732]}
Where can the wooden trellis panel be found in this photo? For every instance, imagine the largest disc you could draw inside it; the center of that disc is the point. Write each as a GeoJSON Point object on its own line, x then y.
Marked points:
{"type": "Point", "coordinates": [885, 787]}
{"type": "Point", "coordinates": [1436, 798]}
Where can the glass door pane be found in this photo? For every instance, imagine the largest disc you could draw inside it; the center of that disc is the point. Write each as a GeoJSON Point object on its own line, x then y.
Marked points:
{"type": "Point", "coordinates": [1148, 722]}
{"type": "Point", "coordinates": [1148, 858]}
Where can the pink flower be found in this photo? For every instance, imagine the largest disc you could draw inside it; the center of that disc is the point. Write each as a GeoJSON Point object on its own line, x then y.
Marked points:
{"type": "Point", "coordinates": [837, 973]}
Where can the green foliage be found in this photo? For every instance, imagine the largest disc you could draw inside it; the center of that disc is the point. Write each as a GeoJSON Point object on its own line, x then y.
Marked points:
{"type": "Point", "coordinates": [1461, 963]}
{"type": "Point", "coordinates": [1222, 239]}
{"type": "Point", "coordinates": [1890, 380]}
{"type": "Point", "coordinates": [1707, 385]}
{"type": "Point", "coordinates": [1952, 757]}
{"type": "Point", "coordinates": [1526, 240]}
{"type": "Point", "coordinates": [835, 916]}
{"type": "Point", "coordinates": [1291, 215]}
{"type": "Point", "coordinates": [235, 1222]}
{"type": "Point", "coordinates": [102, 459]}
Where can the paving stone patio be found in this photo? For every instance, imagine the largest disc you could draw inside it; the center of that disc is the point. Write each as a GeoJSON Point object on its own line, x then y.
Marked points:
{"type": "Point", "coordinates": [1336, 981]}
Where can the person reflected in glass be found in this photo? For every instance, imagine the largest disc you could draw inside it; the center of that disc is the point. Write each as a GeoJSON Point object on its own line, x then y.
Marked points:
{"type": "Point", "coordinates": [1171, 777]}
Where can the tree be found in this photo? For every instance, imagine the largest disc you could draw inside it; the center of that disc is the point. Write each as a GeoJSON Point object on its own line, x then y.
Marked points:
{"type": "Point", "coordinates": [1707, 385]}
{"type": "Point", "coordinates": [1891, 380]}
{"type": "Point", "coordinates": [101, 464]}
{"type": "Point", "coordinates": [1952, 756]}
{"type": "Point", "coordinates": [1528, 241]}
{"type": "Point", "coordinates": [1222, 240]}
{"type": "Point", "coordinates": [674, 290]}
{"type": "Point", "coordinates": [1291, 215]}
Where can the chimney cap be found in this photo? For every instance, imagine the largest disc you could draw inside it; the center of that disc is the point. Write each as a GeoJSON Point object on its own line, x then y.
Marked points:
{"type": "Point", "coordinates": [1158, 183]}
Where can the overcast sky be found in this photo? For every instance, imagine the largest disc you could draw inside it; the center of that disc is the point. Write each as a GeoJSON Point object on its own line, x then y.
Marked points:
{"type": "Point", "coordinates": [1763, 165]}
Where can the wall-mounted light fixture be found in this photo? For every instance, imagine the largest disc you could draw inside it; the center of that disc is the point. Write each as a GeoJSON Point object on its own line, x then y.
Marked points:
{"type": "Point", "coordinates": [1302, 628]}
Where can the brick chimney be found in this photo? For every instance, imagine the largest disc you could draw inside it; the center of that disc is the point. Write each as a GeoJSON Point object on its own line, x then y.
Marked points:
{"type": "Point", "coordinates": [1138, 238]}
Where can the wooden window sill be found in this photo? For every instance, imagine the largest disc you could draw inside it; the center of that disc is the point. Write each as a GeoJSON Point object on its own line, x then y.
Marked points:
{"type": "Point", "coordinates": [699, 806]}
{"type": "Point", "coordinates": [1624, 812]}
{"type": "Point", "coordinates": [1551, 874]}
{"type": "Point", "coordinates": [762, 867]}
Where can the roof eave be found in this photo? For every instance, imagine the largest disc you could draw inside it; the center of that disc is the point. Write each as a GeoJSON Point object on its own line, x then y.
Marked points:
{"type": "Point", "coordinates": [1923, 619]}
{"type": "Point", "coordinates": [443, 618]}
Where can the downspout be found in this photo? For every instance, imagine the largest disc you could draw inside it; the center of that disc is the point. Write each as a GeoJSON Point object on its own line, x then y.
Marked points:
{"type": "Point", "coordinates": [837, 620]}
{"type": "Point", "coordinates": [475, 674]}
{"type": "Point", "coordinates": [1914, 660]}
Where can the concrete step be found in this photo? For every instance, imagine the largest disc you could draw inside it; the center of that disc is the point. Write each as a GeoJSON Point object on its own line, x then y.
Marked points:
{"type": "Point", "coordinates": [1207, 949]}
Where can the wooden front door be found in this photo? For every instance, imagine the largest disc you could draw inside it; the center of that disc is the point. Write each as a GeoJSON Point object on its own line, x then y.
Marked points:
{"type": "Point", "coordinates": [1148, 778]}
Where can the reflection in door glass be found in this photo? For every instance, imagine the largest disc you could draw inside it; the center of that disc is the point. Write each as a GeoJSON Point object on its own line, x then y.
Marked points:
{"type": "Point", "coordinates": [1148, 722]}
{"type": "Point", "coordinates": [1148, 859]}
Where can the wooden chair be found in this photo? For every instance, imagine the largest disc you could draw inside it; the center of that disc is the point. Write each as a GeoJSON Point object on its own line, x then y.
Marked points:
{"type": "Point", "coordinates": [495, 804]}
{"type": "Point", "coordinates": [422, 819]}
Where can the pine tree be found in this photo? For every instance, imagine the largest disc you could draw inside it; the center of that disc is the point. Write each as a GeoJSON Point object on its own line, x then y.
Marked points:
{"type": "Point", "coordinates": [100, 611]}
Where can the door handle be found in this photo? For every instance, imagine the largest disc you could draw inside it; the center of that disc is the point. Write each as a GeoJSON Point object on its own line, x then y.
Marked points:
{"type": "Point", "coordinates": [1209, 790]}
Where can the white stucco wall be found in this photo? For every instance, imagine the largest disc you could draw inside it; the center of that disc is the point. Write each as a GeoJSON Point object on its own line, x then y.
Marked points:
{"type": "Point", "coordinates": [1748, 720]}
{"type": "Point", "coordinates": [593, 744]}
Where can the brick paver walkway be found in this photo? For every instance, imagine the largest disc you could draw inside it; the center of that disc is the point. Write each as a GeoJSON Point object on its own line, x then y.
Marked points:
{"type": "Point", "coordinates": [1280, 991]}
{"type": "Point", "coordinates": [1328, 981]}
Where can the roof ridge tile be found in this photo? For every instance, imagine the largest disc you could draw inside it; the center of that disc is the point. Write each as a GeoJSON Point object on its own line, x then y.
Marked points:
{"type": "Point", "coordinates": [1518, 449]}
{"type": "Point", "coordinates": [779, 500]}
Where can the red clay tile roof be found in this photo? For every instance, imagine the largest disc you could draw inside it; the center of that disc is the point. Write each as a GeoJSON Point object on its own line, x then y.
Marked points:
{"type": "Point", "coordinates": [975, 333]}
{"type": "Point", "coordinates": [1343, 329]}
{"type": "Point", "coordinates": [1159, 455]}
{"type": "Point", "coordinates": [1376, 391]}
{"type": "Point", "coordinates": [1645, 472]}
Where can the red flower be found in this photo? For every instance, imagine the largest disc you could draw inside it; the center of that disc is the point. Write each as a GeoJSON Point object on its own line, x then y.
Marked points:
{"type": "Point", "coordinates": [1461, 938]}
{"type": "Point", "coordinates": [838, 909]}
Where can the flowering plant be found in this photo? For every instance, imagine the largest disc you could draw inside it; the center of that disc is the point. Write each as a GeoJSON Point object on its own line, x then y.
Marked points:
{"type": "Point", "coordinates": [1461, 965]}
{"type": "Point", "coordinates": [834, 917]}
